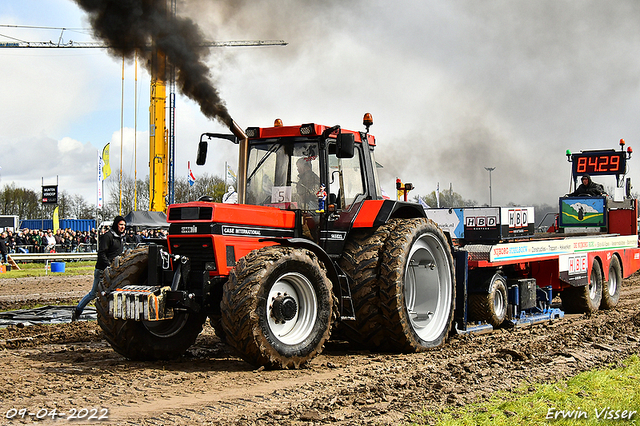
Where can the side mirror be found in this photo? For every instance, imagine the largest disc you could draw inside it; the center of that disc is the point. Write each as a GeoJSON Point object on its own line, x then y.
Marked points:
{"type": "Point", "coordinates": [344, 145]}
{"type": "Point", "coordinates": [201, 157]}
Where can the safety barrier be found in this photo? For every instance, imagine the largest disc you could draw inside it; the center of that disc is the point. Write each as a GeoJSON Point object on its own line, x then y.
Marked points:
{"type": "Point", "coordinates": [58, 248]}
{"type": "Point", "coordinates": [41, 257]}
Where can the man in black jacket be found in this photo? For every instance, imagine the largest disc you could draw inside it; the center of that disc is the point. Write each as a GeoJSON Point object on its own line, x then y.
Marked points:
{"type": "Point", "coordinates": [3, 247]}
{"type": "Point", "coordinates": [111, 245]}
{"type": "Point", "coordinates": [588, 187]}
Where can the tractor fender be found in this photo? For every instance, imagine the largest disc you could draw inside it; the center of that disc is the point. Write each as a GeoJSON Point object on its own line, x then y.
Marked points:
{"type": "Point", "coordinates": [332, 272]}
{"type": "Point", "coordinates": [374, 213]}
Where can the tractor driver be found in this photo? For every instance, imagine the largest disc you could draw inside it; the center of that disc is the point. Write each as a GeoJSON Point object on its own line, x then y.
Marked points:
{"type": "Point", "coordinates": [588, 187]}
{"type": "Point", "coordinates": [308, 182]}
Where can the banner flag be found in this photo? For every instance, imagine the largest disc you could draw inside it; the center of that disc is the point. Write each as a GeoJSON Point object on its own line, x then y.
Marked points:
{"type": "Point", "coordinates": [230, 175]}
{"type": "Point", "coordinates": [56, 220]}
{"type": "Point", "coordinates": [423, 203]}
{"type": "Point", "coordinates": [190, 176]}
{"type": "Point", "coordinates": [106, 168]}
{"type": "Point", "coordinates": [100, 164]}
{"type": "Point", "coordinates": [438, 195]}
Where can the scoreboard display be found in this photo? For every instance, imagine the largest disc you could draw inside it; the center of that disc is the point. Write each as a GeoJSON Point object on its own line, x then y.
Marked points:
{"type": "Point", "coordinates": [599, 163]}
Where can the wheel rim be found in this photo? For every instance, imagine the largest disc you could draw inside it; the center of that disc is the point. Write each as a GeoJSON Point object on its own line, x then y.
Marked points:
{"type": "Point", "coordinates": [167, 328]}
{"type": "Point", "coordinates": [427, 287]}
{"type": "Point", "coordinates": [298, 325]}
{"type": "Point", "coordinates": [593, 285]}
{"type": "Point", "coordinates": [499, 305]}
{"type": "Point", "coordinates": [612, 288]}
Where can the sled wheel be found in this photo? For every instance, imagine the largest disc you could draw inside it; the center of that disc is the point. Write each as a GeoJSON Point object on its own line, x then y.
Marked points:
{"type": "Point", "coordinates": [361, 262]}
{"type": "Point", "coordinates": [490, 307]}
{"type": "Point", "coordinates": [584, 299]}
{"type": "Point", "coordinates": [143, 340]}
{"type": "Point", "coordinates": [611, 292]}
{"type": "Point", "coordinates": [417, 286]}
{"type": "Point", "coordinates": [278, 306]}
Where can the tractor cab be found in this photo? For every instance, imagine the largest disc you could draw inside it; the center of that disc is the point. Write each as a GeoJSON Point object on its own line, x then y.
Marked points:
{"type": "Point", "coordinates": [322, 173]}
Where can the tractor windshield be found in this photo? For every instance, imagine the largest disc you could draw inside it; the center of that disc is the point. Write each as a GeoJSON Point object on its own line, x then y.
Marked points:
{"type": "Point", "coordinates": [283, 175]}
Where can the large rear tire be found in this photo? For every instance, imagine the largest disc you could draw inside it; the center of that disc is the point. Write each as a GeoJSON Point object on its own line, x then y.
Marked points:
{"type": "Point", "coordinates": [143, 340]}
{"type": "Point", "coordinates": [585, 299]}
{"type": "Point", "coordinates": [611, 291]}
{"type": "Point", "coordinates": [417, 286]}
{"type": "Point", "coordinates": [490, 307]}
{"type": "Point", "coordinates": [361, 262]}
{"type": "Point", "coordinates": [278, 307]}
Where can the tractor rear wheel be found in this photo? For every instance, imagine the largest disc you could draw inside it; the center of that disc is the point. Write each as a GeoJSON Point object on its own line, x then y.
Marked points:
{"type": "Point", "coordinates": [361, 262]}
{"type": "Point", "coordinates": [417, 286]}
{"type": "Point", "coordinates": [143, 340]}
{"type": "Point", "coordinates": [611, 291]}
{"type": "Point", "coordinates": [585, 299]}
{"type": "Point", "coordinates": [490, 307]}
{"type": "Point", "coordinates": [278, 307]}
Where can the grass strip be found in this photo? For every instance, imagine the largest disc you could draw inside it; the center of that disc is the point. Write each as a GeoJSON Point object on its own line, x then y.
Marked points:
{"type": "Point", "coordinates": [35, 269]}
{"type": "Point", "coordinates": [597, 397]}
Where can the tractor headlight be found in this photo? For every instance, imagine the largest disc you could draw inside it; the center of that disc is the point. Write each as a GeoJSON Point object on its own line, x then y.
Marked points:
{"type": "Point", "coordinates": [252, 132]}
{"type": "Point", "coordinates": [308, 129]}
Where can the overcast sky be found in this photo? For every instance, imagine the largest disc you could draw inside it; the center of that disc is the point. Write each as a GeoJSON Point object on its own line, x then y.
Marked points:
{"type": "Point", "coordinates": [453, 86]}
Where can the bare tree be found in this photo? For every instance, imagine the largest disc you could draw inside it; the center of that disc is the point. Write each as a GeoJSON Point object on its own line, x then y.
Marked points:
{"type": "Point", "coordinates": [21, 202]}
{"type": "Point", "coordinates": [204, 185]}
{"type": "Point", "coordinates": [27, 204]}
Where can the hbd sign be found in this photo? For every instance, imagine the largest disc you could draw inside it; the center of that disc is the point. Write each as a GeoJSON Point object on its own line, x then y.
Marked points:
{"type": "Point", "coordinates": [578, 264]}
{"type": "Point", "coordinates": [50, 194]}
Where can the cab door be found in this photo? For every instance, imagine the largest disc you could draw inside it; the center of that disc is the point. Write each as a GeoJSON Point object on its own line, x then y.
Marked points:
{"type": "Point", "coordinates": [346, 190]}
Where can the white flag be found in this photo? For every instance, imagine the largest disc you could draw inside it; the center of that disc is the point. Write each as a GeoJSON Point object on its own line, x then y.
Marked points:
{"type": "Point", "coordinates": [231, 176]}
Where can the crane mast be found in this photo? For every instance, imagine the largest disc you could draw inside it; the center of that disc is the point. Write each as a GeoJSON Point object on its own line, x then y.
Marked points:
{"type": "Point", "coordinates": [158, 140]}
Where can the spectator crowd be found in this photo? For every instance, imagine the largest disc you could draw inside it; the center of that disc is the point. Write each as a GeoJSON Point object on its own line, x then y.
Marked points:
{"type": "Point", "coordinates": [67, 240]}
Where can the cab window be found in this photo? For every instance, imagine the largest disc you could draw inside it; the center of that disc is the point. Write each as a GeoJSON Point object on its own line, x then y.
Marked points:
{"type": "Point", "coordinates": [346, 181]}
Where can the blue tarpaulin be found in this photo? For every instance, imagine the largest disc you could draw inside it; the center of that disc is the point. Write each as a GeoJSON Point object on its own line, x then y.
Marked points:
{"type": "Point", "coordinates": [73, 224]}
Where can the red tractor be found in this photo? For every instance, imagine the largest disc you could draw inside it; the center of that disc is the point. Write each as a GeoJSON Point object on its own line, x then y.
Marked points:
{"type": "Point", "coordinates": [276, 272]}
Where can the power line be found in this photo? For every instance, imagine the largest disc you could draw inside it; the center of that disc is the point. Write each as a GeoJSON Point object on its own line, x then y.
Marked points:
{"type": "Point", "coordinates": [100, 45]}
{"type": "Point", "coordinates": [44, 28]}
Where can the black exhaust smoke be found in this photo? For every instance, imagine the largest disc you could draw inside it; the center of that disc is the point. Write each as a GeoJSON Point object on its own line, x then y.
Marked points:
{"type": "Point", "coordinates": [130, 25]}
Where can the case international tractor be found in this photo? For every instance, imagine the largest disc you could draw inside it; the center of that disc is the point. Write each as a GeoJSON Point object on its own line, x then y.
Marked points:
{"type": "Point", "coordinates": [277, 271]}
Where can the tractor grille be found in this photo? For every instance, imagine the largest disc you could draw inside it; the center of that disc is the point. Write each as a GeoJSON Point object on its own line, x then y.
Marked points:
{"type": "Point", "coordinates": [198, 250]}
{"type": "Point", "coordinates": [190, 213]}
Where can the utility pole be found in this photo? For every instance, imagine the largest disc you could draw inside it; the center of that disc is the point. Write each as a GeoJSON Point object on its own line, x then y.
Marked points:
{"type": "Point", "coordinates": [490, 169]}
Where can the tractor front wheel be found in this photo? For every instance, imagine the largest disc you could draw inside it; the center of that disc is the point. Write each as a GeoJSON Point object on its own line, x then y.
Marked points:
{"type": "Point", "coordinates": [278, 306]}
{"type": "Point", "coordinates": [143, 340]}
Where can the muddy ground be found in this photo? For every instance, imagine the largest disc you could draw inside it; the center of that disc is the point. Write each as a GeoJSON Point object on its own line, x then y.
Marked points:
{"type": "Point", "coordinates": [70, 367]}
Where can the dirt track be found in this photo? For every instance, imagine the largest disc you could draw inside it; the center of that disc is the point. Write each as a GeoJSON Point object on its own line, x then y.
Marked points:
{"type": "Point", "coordinates": [69, 367]}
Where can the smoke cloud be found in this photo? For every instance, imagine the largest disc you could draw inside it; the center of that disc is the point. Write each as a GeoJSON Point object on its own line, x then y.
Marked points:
{"type": "Point", "coordinates": [127, 26]}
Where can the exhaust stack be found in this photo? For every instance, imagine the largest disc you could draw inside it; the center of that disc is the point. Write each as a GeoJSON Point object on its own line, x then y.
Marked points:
{"type": "Point", "coordinates": [242, 160]}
